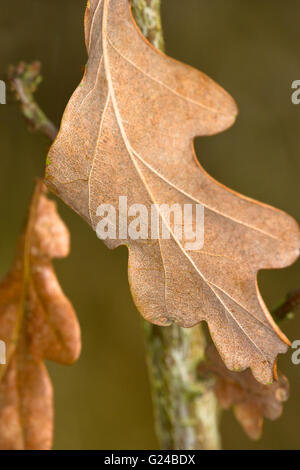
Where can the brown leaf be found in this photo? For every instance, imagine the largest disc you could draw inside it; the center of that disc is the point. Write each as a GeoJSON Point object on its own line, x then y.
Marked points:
{"type": "Point", "coordinates": [128, 130]}
{"type": "Point", "coordinates": [252, 400]}
{"type": "Point", "coordinates": [37, 322]}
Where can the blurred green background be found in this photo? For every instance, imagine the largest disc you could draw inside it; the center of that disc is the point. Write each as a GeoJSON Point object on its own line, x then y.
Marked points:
{"type": "Point", "coordinates": [251, 47]}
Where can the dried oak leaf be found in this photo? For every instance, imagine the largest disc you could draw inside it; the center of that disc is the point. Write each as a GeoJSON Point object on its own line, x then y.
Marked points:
{"type": "Point", "coordinates": [128, 130]}
{"type": "Point", "coordinates": [37, 322]}
{"type": "Point", "coordinates": [252, 401]}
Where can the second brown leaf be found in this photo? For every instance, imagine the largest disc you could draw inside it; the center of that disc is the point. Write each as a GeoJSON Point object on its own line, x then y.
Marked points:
{"type": "Point", "coordinates": [37, 322]}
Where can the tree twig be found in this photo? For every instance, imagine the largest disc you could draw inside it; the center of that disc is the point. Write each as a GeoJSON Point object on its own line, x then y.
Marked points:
{"type": "Point", "coordinates": [24, 81]}
{"type": "Point", "coordinates": [287, 308]}
{"type": "Point", "coordinates": [185, 407]}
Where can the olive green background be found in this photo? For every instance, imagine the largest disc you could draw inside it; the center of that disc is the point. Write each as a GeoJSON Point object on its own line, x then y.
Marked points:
{"type": "Point", "coordinates": [251, 47]}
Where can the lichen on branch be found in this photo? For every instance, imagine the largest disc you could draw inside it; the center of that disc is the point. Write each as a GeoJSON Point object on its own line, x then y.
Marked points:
{"type": "Point", "coordinates": [147, 16]}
